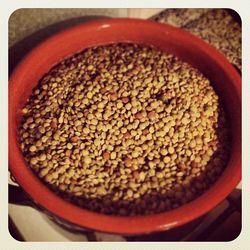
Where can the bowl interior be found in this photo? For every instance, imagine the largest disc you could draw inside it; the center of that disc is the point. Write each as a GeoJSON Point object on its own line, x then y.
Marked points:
{"type": "Point", "coordinates": [212, 64]}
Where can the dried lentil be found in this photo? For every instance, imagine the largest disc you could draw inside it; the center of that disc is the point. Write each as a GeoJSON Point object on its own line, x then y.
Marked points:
{"type": "Point", "coordinates": [125, 123]}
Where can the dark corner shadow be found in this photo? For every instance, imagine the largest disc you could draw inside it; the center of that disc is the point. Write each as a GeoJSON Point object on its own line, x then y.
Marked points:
{"type": "Point", "coordinates": [21, 48]}
{"type": "Point", "coordinates": [13, 231]}
{"type": "Point", "coordinates": [235, 15]}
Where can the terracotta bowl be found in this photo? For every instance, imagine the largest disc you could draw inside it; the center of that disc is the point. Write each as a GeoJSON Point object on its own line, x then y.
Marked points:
{"type": "Point", "coordinates": [187, 47]}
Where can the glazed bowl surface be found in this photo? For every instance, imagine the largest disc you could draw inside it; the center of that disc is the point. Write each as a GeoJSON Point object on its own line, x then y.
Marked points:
{"type": "Point", "coordinates": [225, 80]}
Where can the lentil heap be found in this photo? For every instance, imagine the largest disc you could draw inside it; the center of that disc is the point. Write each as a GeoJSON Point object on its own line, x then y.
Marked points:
{"type": "Point", "coordinates": [125, 129]}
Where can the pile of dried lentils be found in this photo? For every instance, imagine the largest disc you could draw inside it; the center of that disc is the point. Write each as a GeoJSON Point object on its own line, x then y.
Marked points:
{"type": "Point", "coordinates": [125, 129]}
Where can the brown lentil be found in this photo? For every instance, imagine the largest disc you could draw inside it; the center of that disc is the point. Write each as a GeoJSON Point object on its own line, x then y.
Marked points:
{"type": "Point", "coordinates": [125, 129]}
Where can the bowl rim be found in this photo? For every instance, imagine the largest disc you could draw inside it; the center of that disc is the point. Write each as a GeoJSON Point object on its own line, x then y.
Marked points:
{"type": "Point", "coordinates": [97, 221]}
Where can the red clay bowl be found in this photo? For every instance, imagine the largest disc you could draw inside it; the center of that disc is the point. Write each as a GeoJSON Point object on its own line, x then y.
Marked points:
{"type": "Point", "coordinates": [187, 47]}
